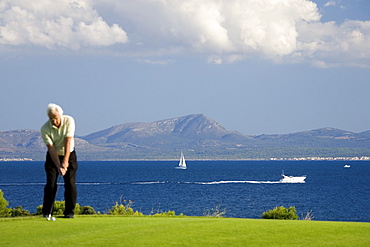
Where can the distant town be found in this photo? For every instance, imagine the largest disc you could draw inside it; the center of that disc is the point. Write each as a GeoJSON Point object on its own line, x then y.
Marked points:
{"type": "Point", "coordinates": [15, 159]}
{"type": "Point", "coordinates": [291, 159]}
{"type": "Point", "coordinates": [325, 158]}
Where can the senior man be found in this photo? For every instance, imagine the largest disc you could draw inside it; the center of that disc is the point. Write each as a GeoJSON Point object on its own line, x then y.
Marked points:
{"type": "Point", "coordinates": [58, 135]}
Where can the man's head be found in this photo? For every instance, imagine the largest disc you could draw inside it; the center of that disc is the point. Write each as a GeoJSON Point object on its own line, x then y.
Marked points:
{"type": "Point", "coordinates": [54, 113]}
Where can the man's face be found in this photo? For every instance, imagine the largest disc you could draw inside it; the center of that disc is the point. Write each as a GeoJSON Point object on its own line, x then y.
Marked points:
{"type": "Point", "coordinates": [55, 118]}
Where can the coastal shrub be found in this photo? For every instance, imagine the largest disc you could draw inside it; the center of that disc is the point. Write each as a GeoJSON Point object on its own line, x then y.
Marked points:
{"type": "Point", "coordinates": [159, 212]}
{"type": "Point", "coordinates": [10, 212]}
{"type": "Point", "coordinates": [4, 211]}
{"type": "Point", "coordinates": [281, 213]}
{"type": "Point", "coordinates": [124, 209]}
{"type": "Point", "coordinates": [58, 208]}
{"type": "Point", "coordinates": [168, 213]}
{"type": "Point", "coordinates": [19, 211]}
{"type": "Point", "coordinates": [87, 210]}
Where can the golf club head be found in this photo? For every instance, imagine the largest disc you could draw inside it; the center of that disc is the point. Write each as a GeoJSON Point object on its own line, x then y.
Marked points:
{"type": "Point", "coordinates": [48, 217]}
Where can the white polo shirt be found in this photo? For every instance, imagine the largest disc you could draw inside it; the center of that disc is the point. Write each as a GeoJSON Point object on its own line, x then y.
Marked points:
{"type": "Point", "coordinates": [56, 136]}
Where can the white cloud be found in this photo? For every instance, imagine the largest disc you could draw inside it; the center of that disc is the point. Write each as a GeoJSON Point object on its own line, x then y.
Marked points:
{"type": "Point", "coordinates": [224, 31]}
{"type": "Point", "coordinates": [345, 44]}
{"type": "Point", "coordinates": [156, 62]}
{"type": "Point", "coordinates": [55, 23]}
{"type": "Point", "coordinates": [330, 3]}
{"type": "Point", "coordinates": [220, 27]}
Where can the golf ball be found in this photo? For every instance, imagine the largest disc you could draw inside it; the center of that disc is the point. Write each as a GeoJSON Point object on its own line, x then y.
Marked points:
{"type": "Point", "coordinates": [53, 218]}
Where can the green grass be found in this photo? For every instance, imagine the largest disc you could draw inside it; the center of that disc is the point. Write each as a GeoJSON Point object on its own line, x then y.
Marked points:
{"type": "Point", "coordinates": [179, 231]}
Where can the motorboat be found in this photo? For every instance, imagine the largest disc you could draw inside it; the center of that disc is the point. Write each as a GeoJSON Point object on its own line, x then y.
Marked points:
{"type": "Point", "coordinates": [292, 179]}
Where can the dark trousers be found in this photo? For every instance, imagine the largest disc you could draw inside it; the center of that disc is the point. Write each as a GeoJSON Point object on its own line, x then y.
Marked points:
{"type": "Point", "coordinates": [70, 189]}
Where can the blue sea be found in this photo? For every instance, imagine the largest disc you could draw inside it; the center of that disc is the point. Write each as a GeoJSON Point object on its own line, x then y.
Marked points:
{"type": "Point", "coordinates": [242, 189]}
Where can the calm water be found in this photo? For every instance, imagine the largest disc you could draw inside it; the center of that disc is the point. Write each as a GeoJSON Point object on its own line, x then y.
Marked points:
{"type": "Point", "coordinates": [243, 189]}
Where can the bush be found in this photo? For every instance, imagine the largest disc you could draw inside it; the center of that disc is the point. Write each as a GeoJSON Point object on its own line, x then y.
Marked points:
{"type": "Point", "coordinates": [4, 211]}
{"type": "Point", "coordinates": [168, 213]}
{"type": "Point", "coordinates": [19, 211]}
{"type": "Point", "coordinates": [124, 209]}
{"type": "Point", "coordinates": [58, 209]}
{"type": "Point", "coordinates": [87, 210]}
{"type": "Point", "coordinates": [10, 212]}
{"type": "Point", "coordinates": [281, 213]}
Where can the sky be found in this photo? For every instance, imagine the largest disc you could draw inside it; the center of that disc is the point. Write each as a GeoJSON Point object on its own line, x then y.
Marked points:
{"type": "Point", "coordinates": [254, 66]}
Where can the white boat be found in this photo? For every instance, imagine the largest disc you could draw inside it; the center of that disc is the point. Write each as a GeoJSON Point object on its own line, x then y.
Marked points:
{"type": "Point", "coordinates": [347, 166]}
{"type": "Point", "coordinates": [292, 179]}
{"type": "Point", "coordinates": [182, 163]}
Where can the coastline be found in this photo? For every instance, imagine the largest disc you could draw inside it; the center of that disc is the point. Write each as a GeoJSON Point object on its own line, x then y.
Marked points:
{"type": "Point", "coordinates": [362, 158]}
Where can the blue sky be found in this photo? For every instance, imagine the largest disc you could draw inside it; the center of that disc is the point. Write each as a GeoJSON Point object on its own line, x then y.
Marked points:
{"type": "Point", "coordinates": [258, 67]}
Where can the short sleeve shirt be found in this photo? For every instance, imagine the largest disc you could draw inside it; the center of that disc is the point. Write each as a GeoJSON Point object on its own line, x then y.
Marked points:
{"type": "Point", "coordinates": [56, 136]}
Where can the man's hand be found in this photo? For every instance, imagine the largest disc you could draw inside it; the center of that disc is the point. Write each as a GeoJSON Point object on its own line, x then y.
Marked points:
{"type": "Point", "coordinates": [62, 171]}
{"type": "Point", "coordinates": [64, 167]}
{"type": "Point", "coordinates": [67, 147]}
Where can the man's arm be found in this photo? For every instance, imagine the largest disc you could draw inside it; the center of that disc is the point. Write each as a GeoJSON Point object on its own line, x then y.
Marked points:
{"type": "Point", "coordinates": [67, 152]}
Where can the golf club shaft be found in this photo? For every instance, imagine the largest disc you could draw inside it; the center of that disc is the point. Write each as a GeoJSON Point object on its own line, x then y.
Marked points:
{"type": "Point", "coordinates": [55, 194]}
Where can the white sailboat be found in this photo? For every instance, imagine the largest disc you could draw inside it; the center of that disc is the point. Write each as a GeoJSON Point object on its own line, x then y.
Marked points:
{"type": "Point", "coordinates": [182, 163]}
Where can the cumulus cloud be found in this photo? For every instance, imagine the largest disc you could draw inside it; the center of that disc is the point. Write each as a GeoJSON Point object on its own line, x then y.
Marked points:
{"type": "Point", "coordinates": [231, 30]}
{"type": "Point", "coordinates": [225, 26]}
{"type": "Point", "coordinates": [222, 30]}
{"type": "Point", "coordinates": [55, 23]}
{"type": "Point", "coordinates": [329, 44]}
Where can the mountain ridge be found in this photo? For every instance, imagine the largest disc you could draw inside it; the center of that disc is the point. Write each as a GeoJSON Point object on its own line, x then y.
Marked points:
{"type": "Point", "coordinates": [190, 126]}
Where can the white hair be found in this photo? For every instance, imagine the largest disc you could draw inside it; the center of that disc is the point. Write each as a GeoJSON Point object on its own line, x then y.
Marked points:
{"type": "Point", "coordinates": [54, 107]}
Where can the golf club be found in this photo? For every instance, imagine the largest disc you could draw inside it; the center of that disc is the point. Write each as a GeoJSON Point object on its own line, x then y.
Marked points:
{"type": "Point", "coordinates": [49, 217]}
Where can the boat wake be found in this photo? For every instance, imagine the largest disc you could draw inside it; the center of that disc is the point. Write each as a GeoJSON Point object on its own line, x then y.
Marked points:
{"type": "Point", "coordinates": [21, 184]}
{"type": "Point", "coordinates": [154, 182]}
{"type": "Point", "coordinates": [239, 182]}
{"type": "Point", "coordinates": [214, 182]}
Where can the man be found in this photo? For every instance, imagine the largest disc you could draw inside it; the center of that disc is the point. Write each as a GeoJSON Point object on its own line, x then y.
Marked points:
{"type": "Point", "coordinates": [58, 134]}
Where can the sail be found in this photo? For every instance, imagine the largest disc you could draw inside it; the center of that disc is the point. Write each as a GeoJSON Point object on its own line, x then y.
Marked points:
{"type": "Point", "coordinates": [182, 162]}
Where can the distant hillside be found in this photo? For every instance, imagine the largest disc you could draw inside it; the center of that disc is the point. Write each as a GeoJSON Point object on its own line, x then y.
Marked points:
{"type": "Point", "coordinates": [198, 136]}
{"type": "Point", "coordinates": [324, 137]}
{"type": "Point", "coordinates": [186, 132]}
{"type": "Point", "coordinates": [29, 144]}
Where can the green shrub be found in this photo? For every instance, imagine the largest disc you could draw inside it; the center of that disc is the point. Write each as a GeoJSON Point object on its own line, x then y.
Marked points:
{"type": "Point", "coordinates": [10, 212]}
{"type": "Point", "coordinates": [168, 213]}
{"type": "Point", "coordinates": [281, 213]}
{"type": "Point", "coordinates": [19, 211]}
{"type": "Point", "coordinates": [4, 211]}
{"type": "Point", "coordinates": [58, 209]}
{"type": "Point", "coordinates": [124, 209]}
{"type": "Point", "coordinates": [87, 210]}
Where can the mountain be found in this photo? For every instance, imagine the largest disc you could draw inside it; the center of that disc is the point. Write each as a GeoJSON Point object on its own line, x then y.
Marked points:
{"type": "Point", "coordinates": [198, 136]}
{"type": "Point", "coordinates": [19, 139]}
{"type": "Point", "coordinates": [29, 144]}
{"type": "Point", "coordinates": [324, 137]}
{"type": "Point", "coordinates": [185, 132]}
